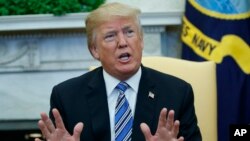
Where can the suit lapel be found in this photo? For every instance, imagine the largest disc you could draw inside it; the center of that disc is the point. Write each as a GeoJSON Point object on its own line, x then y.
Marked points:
{"type": "Point", "coordinates": [145, 105]}
{"type": "Point", "coordinates": [97, 100]}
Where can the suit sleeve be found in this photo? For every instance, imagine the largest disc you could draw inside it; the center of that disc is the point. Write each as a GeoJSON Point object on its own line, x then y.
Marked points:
{"type": "Point", "coordinates": [55, 102]}
{"type": "Point", "coordinates": [188, 126]}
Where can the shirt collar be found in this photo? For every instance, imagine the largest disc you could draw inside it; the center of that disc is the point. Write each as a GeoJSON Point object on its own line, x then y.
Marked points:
{"type": "Point", "coordinates": [111, 82]}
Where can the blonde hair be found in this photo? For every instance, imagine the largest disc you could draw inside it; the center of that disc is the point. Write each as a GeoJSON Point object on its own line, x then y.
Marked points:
{"type": "Point", "coordinates": [107, 12]}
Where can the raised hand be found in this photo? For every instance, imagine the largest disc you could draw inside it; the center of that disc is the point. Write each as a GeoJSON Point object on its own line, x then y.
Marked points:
{"type": "Point", "coordinates": [167, 129]}
{"type": "Point", "coordinates": [58, 132]}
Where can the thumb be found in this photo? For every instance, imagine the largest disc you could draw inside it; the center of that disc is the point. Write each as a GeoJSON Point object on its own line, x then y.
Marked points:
{"type": "Point", "coordinates": [77, 131]}
{"type": "Point", "coordinates": [146, 131]}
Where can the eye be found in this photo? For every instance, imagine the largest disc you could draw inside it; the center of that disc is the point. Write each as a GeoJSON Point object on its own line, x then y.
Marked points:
{"type": "Point", "coordinates": [130, 32]}
{"type": "Point", "coordinates": [109, 37]}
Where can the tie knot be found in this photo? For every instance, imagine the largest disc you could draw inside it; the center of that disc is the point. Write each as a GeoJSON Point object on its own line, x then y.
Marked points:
{"type": "Point", "coordinates": [122, 86]}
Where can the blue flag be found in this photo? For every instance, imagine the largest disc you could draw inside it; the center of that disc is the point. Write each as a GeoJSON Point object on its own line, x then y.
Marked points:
{"type": "Point", "coordinates": [219, 30]}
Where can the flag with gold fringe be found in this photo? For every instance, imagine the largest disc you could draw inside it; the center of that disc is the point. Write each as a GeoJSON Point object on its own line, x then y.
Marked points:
{"type": "Point", "coordinates": [219, 30]}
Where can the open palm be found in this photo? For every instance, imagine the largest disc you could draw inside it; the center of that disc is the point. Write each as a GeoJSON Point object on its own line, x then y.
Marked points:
{"type": "Point", "coordinates": [58, 132]}
{"type": "Point", "coordinates": [167, 129]}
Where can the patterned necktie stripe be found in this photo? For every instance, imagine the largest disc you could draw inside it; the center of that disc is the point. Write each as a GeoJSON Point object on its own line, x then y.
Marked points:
{"type": "Point", "coordinates": [123, 120]}
{"type": "Point", "coordinates": [120, 103]}
{"type": "Point", "coordinates": [125, 135]}
{"type": "Point", "coordinates": [126, 123]}
{"type": "Point", "coordinates": [123, 115]}
{"type": "Point", "coordinates": [128, 136]}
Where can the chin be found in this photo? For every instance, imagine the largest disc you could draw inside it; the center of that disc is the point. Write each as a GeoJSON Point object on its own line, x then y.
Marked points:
{"type": "Point", "coordinates": [129, 69]}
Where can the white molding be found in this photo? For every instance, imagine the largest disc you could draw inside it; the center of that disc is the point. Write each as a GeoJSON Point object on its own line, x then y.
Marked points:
{"type": "Point", "coordinates": [76, 20]}
{"type": "Point", "coordinates": [41, 21]}
{"type": "Point", "coordinates": [161, 18]}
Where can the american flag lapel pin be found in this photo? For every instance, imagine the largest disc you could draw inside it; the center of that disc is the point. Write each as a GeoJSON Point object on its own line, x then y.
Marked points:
{"type": "Point", "coordinates": [151, 95]}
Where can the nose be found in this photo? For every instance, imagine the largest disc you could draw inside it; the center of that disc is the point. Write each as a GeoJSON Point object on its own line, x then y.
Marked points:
{"type": "Point", "coordinates": [122, 41]}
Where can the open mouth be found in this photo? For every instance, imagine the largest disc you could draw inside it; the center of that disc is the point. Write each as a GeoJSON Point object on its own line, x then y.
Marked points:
{"type": "Point", "coordinates": [124, 56]}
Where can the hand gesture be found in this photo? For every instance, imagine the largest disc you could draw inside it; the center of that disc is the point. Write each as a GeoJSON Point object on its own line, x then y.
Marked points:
{"type": "Point", "coordinates": [58, 133]}
{"type": "Point", "coordinates": [167, 129]}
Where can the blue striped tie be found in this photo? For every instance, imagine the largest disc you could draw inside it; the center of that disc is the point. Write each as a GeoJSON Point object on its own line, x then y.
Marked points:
{"type": "Point", "coordinates": [123, 115]}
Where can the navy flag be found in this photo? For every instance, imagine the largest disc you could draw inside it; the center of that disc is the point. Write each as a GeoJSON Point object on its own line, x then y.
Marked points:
{"type": "Point", "coordinates": [219, 30]}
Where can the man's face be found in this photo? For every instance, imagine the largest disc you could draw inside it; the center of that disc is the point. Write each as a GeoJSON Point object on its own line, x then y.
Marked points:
{"type": "Point", "coordinates": [118, 46]}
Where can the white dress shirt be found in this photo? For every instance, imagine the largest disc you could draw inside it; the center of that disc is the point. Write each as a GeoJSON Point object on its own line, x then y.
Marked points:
{"type": "Point", "coordinates": [112, 95]}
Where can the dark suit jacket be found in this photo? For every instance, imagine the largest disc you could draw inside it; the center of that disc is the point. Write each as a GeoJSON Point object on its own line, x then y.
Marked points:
{"type": "Point", "coordinates": [84, 99]}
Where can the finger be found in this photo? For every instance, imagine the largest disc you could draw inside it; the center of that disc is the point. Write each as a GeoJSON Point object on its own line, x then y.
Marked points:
{"type": "Point", "coordinates": [162, 118]}
{"type": "Point", "coordinates": [146, 131]}
{"type": "Point", "coordinates": [77, 131]}
{"type": "Point", "coordinates": [48, 122]}
{"type": "Point", "coordinates": [58, 119]}
{"type": "Point", "coordinates": [181, 138]}
{"type": "Point", "coordinates": [37, 139]}
{"type": "Point", "coordinates": [170, 120]}
{"type": "Point", "coordinates": [176, 128]}
{"type": "Point", "coordinates": [44, 129]}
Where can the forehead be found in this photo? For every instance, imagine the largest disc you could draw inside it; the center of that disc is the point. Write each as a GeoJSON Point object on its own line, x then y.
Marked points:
{"type": "Point", "coordinates": [117, 23]}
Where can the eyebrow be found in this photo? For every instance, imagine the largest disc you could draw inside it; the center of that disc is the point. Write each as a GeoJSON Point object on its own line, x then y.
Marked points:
{"type": "Point", "coordinates": [112, 30]}
{"type": "Point", "coordinates": [127, 27]}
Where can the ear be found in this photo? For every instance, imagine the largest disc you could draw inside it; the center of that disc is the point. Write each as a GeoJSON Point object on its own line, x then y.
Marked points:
{"type": "Point", "coordinates": [142, 43]}
{"type": "Point", "coordinates": [95, 52]}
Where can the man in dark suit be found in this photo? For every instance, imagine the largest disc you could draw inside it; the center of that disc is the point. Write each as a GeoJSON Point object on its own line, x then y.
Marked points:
{"type": "Point", "coordinates": [97, 98]}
